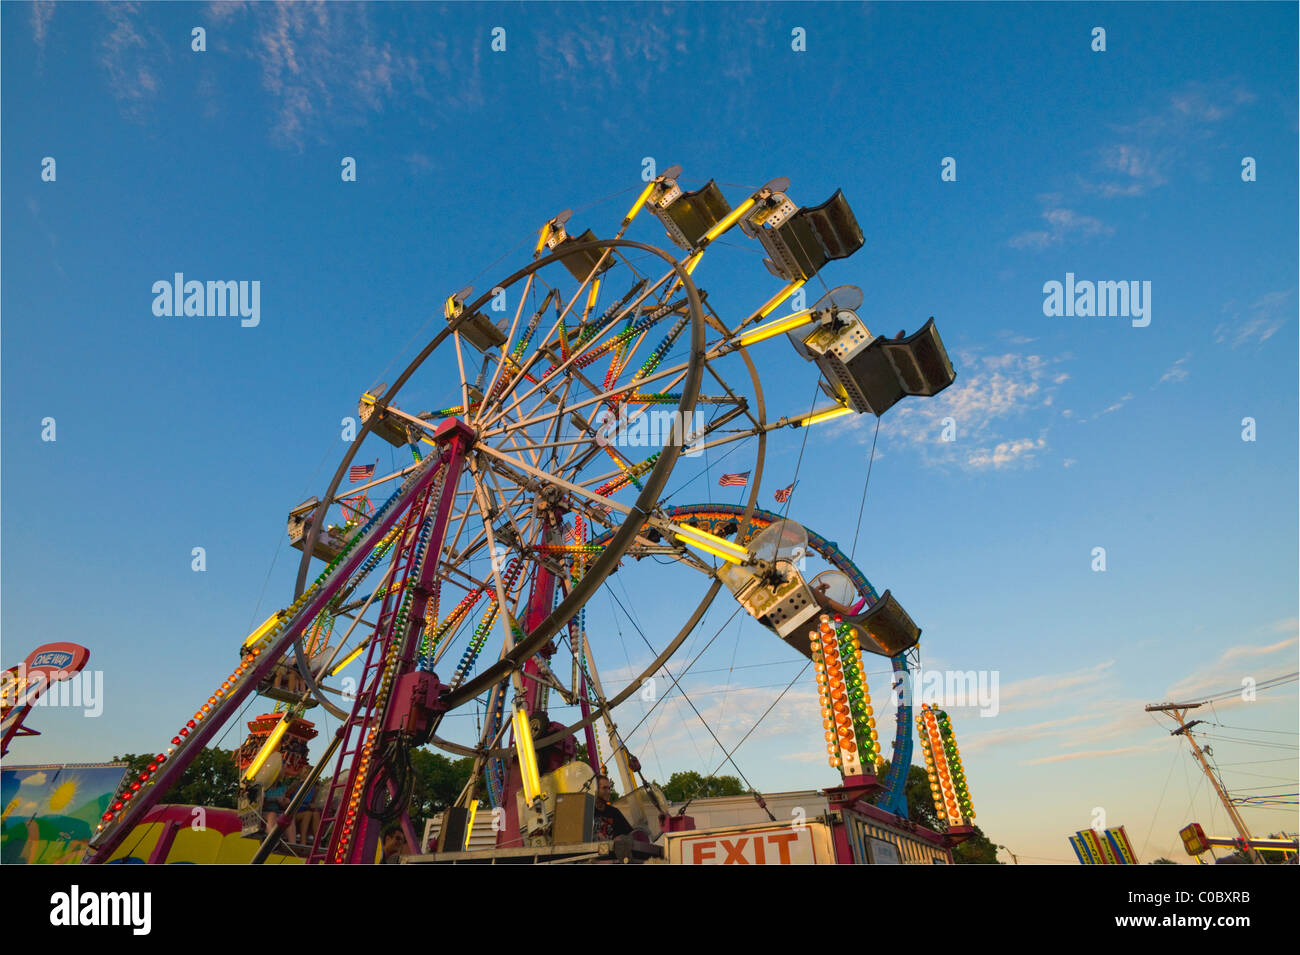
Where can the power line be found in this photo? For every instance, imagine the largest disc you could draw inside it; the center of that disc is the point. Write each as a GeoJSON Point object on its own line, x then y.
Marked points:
{"type": "Point", "coordinates": [1268, 684]}
{"type": "Point", "coordinates": [1245, 742]}
{"type": "Point", "coordinates": [863, 504]}
{"type": "Point", "coordinates": [1248, 729]}
{"type": "Point", "coordinates": [703, 721]}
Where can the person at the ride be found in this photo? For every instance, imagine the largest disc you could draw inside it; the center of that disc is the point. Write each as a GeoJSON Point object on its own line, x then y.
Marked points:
{"type": "Point", "coordinates": [307, 819]}
{"type": "Point", "coordinates": [275, 799]}
{"type": "Point", "coordinates": [393, 844]}
{"type": "Point", "coordinates": [608, 822]}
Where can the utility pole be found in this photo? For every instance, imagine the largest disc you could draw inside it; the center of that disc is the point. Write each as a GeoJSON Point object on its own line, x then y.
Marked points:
{"type": "Point", "coordinates": [1178, 711]}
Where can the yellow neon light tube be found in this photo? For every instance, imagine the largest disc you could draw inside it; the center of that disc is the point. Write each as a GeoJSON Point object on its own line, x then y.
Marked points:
{"type": "Point", "coordinates": [450, 309]}
{"type": "Point", "coordinates": [636, 206]}
{"type": "Point", "coordinates": [714, 545]}
{"type": "Point", "coordinates": [779, 297]}
{"type": "Point", "coordinates": [527, 756]}
{"type": "Point", "coordinates": [348, 659]}
{"type": "Point", "coordinates": [269, 747]}
{"type": "Point", "coordinates": [693, 261]}
{"type": "Point", "coordinates": [698, 545]}
{"type": "Point", "coordinates": [625, 768]}
{"type": "Point", "coordinates": [592, 293]}
{"type": "Point", "coordinates": [257, 635]}
{"type": "Point", "coordinates": [469, 825]}
{"type": "Point", "coordinates": [732, 218]}
{"type": "Point", "coordinates": [771, 329]}
{"type": "Point", "coordinates": [825, 416]}
{"type": "Point", "coordinates": [541, 238]}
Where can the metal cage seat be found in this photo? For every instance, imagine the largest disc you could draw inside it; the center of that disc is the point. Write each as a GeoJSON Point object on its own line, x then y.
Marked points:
{"type": "Point", "coordinates": [915, 365]}
{"type": "Point", "coordinates": [392, 428]}
{"type": "Point", "coordinates": [874, 374]}
{"type": "Point", "coordinates": [774, 592]}
{"type": "Point", "coordinates": [800, 241]}
{"type": "Point", "coordinates": [686, 216]}
{"type": "Point", "coordinates": [582, 263]}
{"type": "Point", "coordinates": [889, 626]}
{"type": "Point", "coordinates": [330, 542]}
{"type": "Point", "coordinates": [478, 330]}
{"type": "Point", "coordinates": [285, 685]}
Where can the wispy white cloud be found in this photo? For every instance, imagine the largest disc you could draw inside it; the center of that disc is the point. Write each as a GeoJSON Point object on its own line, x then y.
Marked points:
{"type": "Point", "coordinates": [1111, 408]}
{"type": "Point", "coordinates": [1139, 158]}
{"type": "Point", "coordinates": [324, 66]}
{"type": "Point", "coordinates": [679, 736]}
{"type": "Point", "coordinates": [1004, 454]}
{"type": "Point", "coordinates": [1098, 719]}
{"type": "Point", "coordinates": [1208, 103]}
{"type": "Point", "coordinates": [1062, 224]}
{"type": "Point", "coordinates": [1232, 666]}
{"type": "Point", "coordinates": [592, 44]}
{"type": "Point", "coordinates": [1177, 371]}
{"type": "Point", "coordinates": [1083, 716]}
{"type": "Point", "coordinates": [1257, 322]}
{"type": "Point", "coordinates": [988, 405]}
{"type": "Point", "coordinates": [1132, 169]}
{"type": "Point", "coordinates": [1151, 145]}
{"type": "Point", "coordinates": [42, 11]}
{"type": "Point", "coordinates": [1098, 753]}
{"type": "Point", "coordinates": [1051, 689]}
{"type": "Point", "coordinates": [132, 54]}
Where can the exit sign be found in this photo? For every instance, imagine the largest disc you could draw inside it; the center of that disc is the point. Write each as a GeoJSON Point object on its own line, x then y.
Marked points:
{"type": "Point", "coordinates": [789, 845]}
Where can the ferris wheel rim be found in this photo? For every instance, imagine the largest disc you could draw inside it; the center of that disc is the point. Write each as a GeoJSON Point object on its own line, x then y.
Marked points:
{"type": "Point", "coordinates": [601, 568]}
{"type": "Point", "coordinates": [646, 501]}
{"type": "Point", "coordinates": [600, 710]}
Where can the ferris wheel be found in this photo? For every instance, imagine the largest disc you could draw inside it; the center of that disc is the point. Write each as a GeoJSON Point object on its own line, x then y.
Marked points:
{"type": "Point", "coordinates": [539, 429]}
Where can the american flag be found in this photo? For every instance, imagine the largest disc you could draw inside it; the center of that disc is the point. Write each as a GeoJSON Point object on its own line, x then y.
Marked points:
{"type": "Point", "coordinates": [734, 480]}
{"type": "Point", "coordinates": [783, 494]}
{"type": "Point", "coordinates": [361, 472]}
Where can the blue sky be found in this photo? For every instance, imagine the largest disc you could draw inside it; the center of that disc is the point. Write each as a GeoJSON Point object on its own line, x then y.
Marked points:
{"type": "Point", "coordinates": [1072, 432]}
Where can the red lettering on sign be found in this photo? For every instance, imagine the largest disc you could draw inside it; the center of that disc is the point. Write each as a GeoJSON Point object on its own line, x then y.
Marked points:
{"type": "Point", "coordinates": [736, 853]}
{"type": "Point", "coordinates": [699, 847]}
{"type": "Point", "coordinates": [783, 840]}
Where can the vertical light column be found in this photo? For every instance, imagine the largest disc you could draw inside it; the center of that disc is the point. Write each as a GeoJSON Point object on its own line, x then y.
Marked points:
{"type": "Point", "coordinates": [852, 746]}
{"type": "Point", "coordinates": [952, 802]}
{"type": "Point", "coordinates": [855, 681]}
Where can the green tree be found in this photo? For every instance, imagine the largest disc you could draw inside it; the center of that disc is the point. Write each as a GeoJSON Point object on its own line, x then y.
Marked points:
{"type": "Point", "coordinates": [977, 850]}
{"type": "Point", "coordinates": [1163, 861]}
{"type": "Point", "coordinates": [691, 785]}
{"type": "Point", "coordinates": [438, 782]}
{"type": "Point", "coordinates": [212, 779]}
